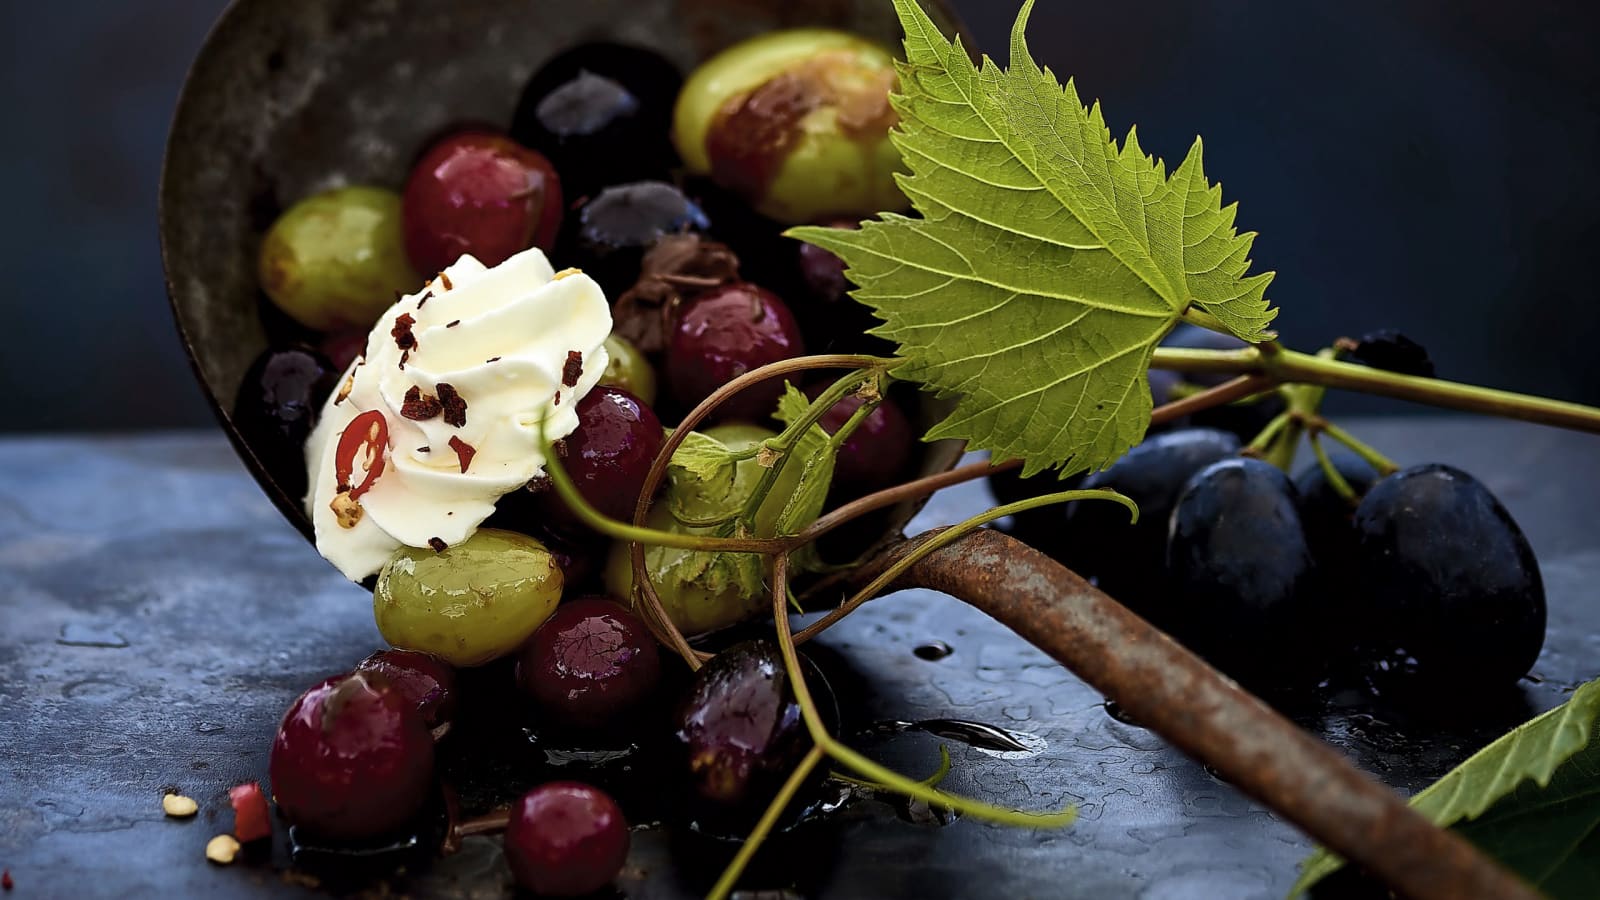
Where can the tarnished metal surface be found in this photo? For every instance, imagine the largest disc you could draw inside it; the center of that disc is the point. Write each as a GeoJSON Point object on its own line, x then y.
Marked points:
{"type": "Point", "coordinates": [160, 615]}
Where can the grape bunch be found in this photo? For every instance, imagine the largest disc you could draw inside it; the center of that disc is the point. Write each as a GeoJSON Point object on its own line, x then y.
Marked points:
{"type": "Point", "coordinates": [1283, 581]}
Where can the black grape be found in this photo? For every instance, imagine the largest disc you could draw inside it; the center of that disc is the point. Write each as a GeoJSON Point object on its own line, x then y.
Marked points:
{"type": "Point", "coordinates": [1242, 575]}
{"type": "Point", "coordinates": [1127, 559]}
{"type": "Point", "coordinates": [1450, 576]}
{"type": "Point", "coordinates": [1392, 351]}
{"type": "Point", "coordinates": [1325, 514]}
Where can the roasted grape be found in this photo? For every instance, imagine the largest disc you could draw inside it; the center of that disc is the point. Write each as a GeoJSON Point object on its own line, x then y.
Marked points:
{"type": "Point", "coordinates": [797, 122]}
{"type": "Point", "coordinates": [278, 404]}
{"type": "Point", "coordinates": [336, 259]}
{"type": "Point", "coordinates": [427, 682]}
{"type": "Point", "coordinates": [590, 664]}
{"type": "Point", "coordinates": [725, 333]}
{"type": "Point", "coordinates": [741, 730]}
{"type": "Point", "coordinates": [566, 839]}
{"type": "Point", "coordinates": [1451, 576]}
{"type": "Point", "coordinates": [471, 603]}
{"type": "Point", "coordinates": [609, 455]}
{"type": "Point", "coordinates": [628, 369]}
{"type": "Point", "coordinates": [1128, 559]}
{"type": "Point", "coordinates": [352, 759]}
{"type": "Point", "coordinates": [603, 114]}
{"type": "Point", "coordinates": [1241, 571]}
{"type": "Point", "coordinates": [483, 194]}
{"type": "Point", "coordinates": [608, 235]}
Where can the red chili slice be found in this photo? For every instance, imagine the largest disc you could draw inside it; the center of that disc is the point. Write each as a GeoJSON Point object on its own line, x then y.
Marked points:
{"type": "Point", "coordinates": [251, 821]}
{"type": "Point", "coordinates": [369, 431]}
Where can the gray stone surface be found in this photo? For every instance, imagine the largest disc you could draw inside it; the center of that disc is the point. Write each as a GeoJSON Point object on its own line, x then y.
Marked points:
{"type": "Point", "coordinates": [158, 616]}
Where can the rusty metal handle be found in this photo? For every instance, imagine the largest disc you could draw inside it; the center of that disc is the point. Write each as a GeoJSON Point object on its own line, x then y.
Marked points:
{"type": "Point", "coordinates": [1208, 716]}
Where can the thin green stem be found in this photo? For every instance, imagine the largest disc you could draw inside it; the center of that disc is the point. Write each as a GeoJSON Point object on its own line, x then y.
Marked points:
{"type": "Point", "coordinates": [931, 781]}
{"type": "Point", "coordinates": [1259, 444]}
{"type": "Point", "coordinates": [1196, 316]}
{"type": "Point", "coordinates": [768, 821]}
{"type": "Point", "coordinates": [1291, 367]}
{"type": "Point", "coordinates": [945, 538]}
{"type": "Point", "coordinates": [1331, 472]}
{"type": "Point", "coordinates": [1383, 464]}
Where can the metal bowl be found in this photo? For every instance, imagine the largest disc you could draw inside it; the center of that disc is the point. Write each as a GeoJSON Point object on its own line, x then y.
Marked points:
{"type": "Point", "coordinates": [290, 97]}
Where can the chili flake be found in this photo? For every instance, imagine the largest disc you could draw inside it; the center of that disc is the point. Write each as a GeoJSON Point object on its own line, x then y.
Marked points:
{"type": "Point", "coordinates": [438, 544]}
{"type": "Point", "coordinates": [420, 407]}
{"type": "Point", "coordinates": [573, 370]}
{"type": "Point", "coordinates": [452, 323]}
{"type": "Point", "coordinates": [403, 338]}
{"type": "Point", "coordinates": [455, 408]}
{"type": "Point", "coordinates": [445, 280]}
{"type": "Point", "coordinates": [464, 452]}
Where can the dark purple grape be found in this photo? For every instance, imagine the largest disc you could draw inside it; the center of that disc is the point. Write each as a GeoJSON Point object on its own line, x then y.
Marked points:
{"type": "Point", "coordinates": [609, 234]}
{"type": "Point", "coordinates": [1390, 350]}
{"type": "Point", "coordinates": [277, 406]}
{"type": "Point", "coordinates": [823, 272]}
{"type": "Point", "coordinates": [424, 680]}
{"type": "Point", "coordinates": [352, 759]}
{"type": "Point", "coordinates": [875, 454]}
{"type": "Point", "coordinates": [724, 333]}
{"type": "Point", "coordinates": [1450, 577]}
{"type": "Point", "coordinates": [1242, 577]}
{"type": "Point", "coordinates": [566, 839]}
{"type": "Point", "coordinates": [1129, 559]}
{"type": "Point", "coordinates": [590, 664]}
{"type": "Point", "coordinates": [1326, 514]}
{"type": "Point", "coordinates": [603, 114]}
{"type": "Point", "coordinates": [609, 455]}
{"type": "Point", "coordinates": [342, 347]}
{"type": "Point", "coordinates": [742, 732]}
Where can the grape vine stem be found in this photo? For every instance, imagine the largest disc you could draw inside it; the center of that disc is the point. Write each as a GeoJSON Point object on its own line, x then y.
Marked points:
{"type": "Point", "coordinates": [1285, 366]}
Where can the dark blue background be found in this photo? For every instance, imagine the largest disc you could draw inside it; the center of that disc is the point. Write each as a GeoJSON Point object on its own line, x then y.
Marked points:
{"type": "Point", "coordinates": [1406, 166]}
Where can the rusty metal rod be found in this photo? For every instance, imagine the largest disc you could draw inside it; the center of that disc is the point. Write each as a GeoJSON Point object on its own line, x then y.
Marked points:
{"type": "Point", "coordinates": [1208, 716]}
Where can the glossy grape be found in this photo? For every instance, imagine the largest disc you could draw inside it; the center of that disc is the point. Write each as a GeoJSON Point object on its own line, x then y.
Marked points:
{"type": "Point", "coordinates": [471, 603]}
{"type": "Point", "coordinates": [337, 259]}
{"type": "Point", "coordinates": [277, 406]}
{"type": "Point", "coordinates": [628, 369]}
{"type": "Point", "coordinates": [1128, 559]}
{"type": "Point", "coordinates": [725, 333]}
{"type": "Point", "coordinates": [608, 235]}
{"type": "Point", "coordinates": [1326, 515]}
{"type": "Point", "coordinates": [1451, 576]}
{"type": "Point", "coordinates": [590, 664]}
{"type": "Point", "coordinates": [352, 760]}
{"type": "Point", "coordinates": [609, 455]}
{"type": "Point", "coordinates": [797, 122]}
{"type": "Point", "coordinates": [483, 194]}
{"type": "Point", "coordinates": [741, 730]}
{"type": "Point", "coordinates": [566, 839]}
{"type": "Point", "coordinates": [875, 454]}
{"type": "Point", "coordinates": [603, 114]}
{"type": "Point", "coordinates": [1241, 570]}
{"type": "Point", "coordinates": [425, 681]}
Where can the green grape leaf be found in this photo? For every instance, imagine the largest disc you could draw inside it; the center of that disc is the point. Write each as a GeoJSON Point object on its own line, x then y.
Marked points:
{"type": "Point", "coordinates": [799, 497]}
{"type": "Point", "coordinates": [1531, 799]}
{"type": "Point", "coordinates": [1047, 262]}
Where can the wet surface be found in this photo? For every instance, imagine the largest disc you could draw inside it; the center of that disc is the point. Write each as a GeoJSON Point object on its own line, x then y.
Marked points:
{"type": "Point", "coordinates": [160, 615]}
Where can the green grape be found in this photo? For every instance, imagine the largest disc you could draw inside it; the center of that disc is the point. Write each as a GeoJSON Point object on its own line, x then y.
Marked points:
{"type": "Point", "coordinates": [336, 259]}
{"type": "Point", "coordinates": [797, 122]}
{"type": "Point", "coordinates": [626, 368]}
{"type": "Point", "coordinates": [470, 603]}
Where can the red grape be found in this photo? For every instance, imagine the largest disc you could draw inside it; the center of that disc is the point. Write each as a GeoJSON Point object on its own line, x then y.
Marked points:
{"type": "Point", "coordinates": [566, 839]}
{"type": "Point", "coordinates": [481, 193]}
{"type": "Point", "coordinates": [590, 663]}
{"type": "Point", "coordinates": [725, 333]}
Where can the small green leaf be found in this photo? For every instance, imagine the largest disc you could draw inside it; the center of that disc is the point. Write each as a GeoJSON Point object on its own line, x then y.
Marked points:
{"type": "Point", "coordinates": [1531, 799]}
{"type": "Point", "coordinates": [1047, 262]}
{"type": "Point", "coordinates": [802, 489]}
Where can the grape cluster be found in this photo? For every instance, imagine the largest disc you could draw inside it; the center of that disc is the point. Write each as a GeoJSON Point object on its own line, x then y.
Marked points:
{"type": "Point", "coordinates": [1283, 582]}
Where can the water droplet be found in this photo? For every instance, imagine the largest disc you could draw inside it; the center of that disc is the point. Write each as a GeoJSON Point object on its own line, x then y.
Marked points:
{"type": "Point", "coordinates": [1115, 711]}
{"type": "Point", "coordinates": [933, 651]}
{"type": "Point", "coordinates": [81, 634]}
{"type": "Point", "coordinates": [210, 728]}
